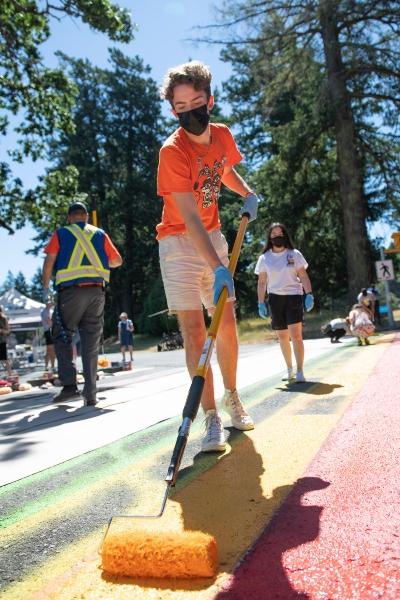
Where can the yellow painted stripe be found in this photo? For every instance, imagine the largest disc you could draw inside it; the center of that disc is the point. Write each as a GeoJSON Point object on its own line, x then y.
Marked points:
{"type": "Point", "coordinates": [233, 501]}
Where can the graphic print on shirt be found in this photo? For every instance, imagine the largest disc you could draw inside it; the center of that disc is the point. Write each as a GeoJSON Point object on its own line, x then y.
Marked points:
{"type": "Point", "coordinates": [211, 184]}
{"type": "Point", "coordinates": [289, 260]}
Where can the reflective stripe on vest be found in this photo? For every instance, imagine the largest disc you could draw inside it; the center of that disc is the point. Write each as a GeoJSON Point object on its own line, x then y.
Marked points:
{"type": "Point", "coordinates": [83, 247]}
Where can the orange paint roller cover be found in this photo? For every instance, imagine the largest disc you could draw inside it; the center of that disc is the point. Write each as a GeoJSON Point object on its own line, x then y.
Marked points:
{"type": "Point", "coordinates": [160, 554]}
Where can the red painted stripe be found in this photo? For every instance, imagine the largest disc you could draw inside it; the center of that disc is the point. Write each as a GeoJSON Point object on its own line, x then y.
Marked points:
{"type": "Point", "coordinates": [337, 536]}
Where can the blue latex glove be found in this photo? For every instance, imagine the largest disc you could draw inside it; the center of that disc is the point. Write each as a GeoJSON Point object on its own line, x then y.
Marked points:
{"type": "Point", "coordinates": [250, 206]}
{"type": "Point", "coordinates": [262, 310]}
{"type": "Point", "coordinates": [223, 278]}
{"type": "Point", "coordinates": [309, 302]}
{"type": "Point", "coordinates": [45, 295]}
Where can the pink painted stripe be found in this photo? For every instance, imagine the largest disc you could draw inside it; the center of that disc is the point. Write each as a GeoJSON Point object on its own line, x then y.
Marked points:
{"type": "Point", "coordinates": [337, 536]}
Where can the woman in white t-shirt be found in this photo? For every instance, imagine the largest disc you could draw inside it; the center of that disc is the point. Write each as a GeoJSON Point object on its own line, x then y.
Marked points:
{"type": "Point", "coordinates": [281, 271]}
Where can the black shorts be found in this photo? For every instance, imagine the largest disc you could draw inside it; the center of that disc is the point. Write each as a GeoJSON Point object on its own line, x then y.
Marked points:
{"type": "Point", "coordinates": [285, 310]}
{"type": "Point", "coordinates": [48, 338]}
{"type": "Point", "coordinates": [3, 351]}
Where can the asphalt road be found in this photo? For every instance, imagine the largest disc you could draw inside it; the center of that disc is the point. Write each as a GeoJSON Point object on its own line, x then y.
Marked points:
{"type": "Point", "coordinates": [66, 469]}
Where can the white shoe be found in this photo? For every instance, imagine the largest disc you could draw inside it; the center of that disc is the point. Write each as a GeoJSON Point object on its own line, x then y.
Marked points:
{"type": "Point", "coordinates": [290, 375]}
{"type": "Point", "coordinates": [232, 405]}
{"type": "Point", "coordinates": [300, 377]}
{"type": "Point", "coordinates": [214, 439]}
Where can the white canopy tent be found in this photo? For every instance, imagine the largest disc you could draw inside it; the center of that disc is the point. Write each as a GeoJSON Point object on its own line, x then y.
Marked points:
{"type": "Point", "coordinates": [23, 315]}
{"type": "Point", "coordinates": [22, 312]}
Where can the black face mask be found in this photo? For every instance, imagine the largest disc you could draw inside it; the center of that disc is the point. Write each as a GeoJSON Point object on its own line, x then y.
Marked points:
{"type": "Point", "coordinates": [278, 241]}
{"type": "Point", "coordinates": [195, 121]}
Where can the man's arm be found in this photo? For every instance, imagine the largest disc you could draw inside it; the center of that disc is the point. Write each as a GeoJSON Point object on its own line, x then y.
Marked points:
{"type": "Point", "coordinates": [235, 182]}
{"type": "Point", "coordinates": [186, 203]}
{"type": "Point", "coordinates": [47, 271]}
{"type": "Point", "coordinates": [114, 257]}
{"type": "Point", "coordinates": [305, 280]}
{"type": "Point", "coordinates": [262, 286]}
{"type": "Point", "coordinates": [115, 262]}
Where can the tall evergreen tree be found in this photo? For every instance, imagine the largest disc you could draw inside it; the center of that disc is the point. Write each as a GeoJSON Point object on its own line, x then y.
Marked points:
{"type": "Point", "coordinates": [8, 283]}
{"type": "Point", "coordinates": [21, 284]}
{"type": "Point", "coordinates": [36, 287]}
{"type": "Point", "coordinates": [111, 158]}
{"type": "Point", "coordinates": [356, 45]}
{"type": "Point", "coordinates": [41, 95]}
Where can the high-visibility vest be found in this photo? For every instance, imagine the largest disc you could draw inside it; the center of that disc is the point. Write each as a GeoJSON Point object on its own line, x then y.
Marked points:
{"type": "Point", "coordinates": [82, 258]}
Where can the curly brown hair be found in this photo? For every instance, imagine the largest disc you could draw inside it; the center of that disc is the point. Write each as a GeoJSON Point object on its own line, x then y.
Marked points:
{"type": "Point", "coordinates": [193, 72]}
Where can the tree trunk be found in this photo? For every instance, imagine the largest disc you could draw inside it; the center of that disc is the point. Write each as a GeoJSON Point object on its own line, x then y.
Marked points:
{"type": "Point", "coordinates": [349, 164]}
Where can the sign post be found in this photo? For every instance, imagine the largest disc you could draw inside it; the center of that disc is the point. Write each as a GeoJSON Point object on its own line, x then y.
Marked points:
{"type": "Point", "coordinates": [382, 269]}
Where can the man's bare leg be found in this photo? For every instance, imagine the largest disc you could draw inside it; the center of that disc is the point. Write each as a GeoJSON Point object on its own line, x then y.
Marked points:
{"type": "Point", "coordinates": [228, 347]}
{"type": "Point", "coordinates": [284, 342]}
{"type": "Point", "coordinates": [194, 333]}
{"type": "Point", "coordinates": [296, 335]}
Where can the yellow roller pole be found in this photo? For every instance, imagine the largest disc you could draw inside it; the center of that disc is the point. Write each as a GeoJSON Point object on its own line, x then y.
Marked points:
{"type": "Point", "coordinates": [134, 550]}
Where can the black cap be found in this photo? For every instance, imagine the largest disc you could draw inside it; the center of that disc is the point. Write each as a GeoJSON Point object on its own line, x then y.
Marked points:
{"type": "Point", "coordinates": [77, 207]}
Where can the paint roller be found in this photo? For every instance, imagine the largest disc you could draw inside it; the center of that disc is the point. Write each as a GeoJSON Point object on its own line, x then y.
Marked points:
{"type": "Point", "coordinates": [136, 545]}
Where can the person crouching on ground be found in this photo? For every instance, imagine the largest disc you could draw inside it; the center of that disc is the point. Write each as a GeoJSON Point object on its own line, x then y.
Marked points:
{"type": "Point", "coordinates": [335, 329]}
{"type": "Point", "coordinates": [125, 335]}
{"type": "Point", "coordinates": [193, 163]}
{"type": "Point", "coordinates": [281, 271]}
{"type": "Point", "coordinates": [361, 325]}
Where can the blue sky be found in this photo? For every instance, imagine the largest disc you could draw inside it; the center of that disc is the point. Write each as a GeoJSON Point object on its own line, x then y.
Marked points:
{"type": "Point", "coordinates": [163, 28]}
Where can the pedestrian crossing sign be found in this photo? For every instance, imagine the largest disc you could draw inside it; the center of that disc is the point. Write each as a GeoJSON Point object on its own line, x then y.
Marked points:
{"type": "Point", "coordinates": [384, 270]}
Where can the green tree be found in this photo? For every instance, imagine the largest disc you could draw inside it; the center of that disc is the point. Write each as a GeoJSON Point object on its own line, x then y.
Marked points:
{"type": "Point", "coordinates": [21, 284]}
{"type": "Point", "coordinates": [43, 97]}
{"type": "Point", "coordinates": [299, 180]}
{"type": "Point", "coordinates": [111, 157]}
{"type": "Point", "coordinates": [9, 283]}
{"type": "Point", "coordinates": [356, 46]}
{"type": "Point", "coordinates": [36, 287]}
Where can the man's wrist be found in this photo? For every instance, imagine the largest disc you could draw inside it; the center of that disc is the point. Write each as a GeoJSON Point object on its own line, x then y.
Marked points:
{"type": "Point", "coordinates": [220, 266]}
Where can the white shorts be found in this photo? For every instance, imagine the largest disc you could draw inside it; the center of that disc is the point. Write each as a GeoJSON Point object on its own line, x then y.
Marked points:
{"type": "Point", "coordinates": [188, 279]}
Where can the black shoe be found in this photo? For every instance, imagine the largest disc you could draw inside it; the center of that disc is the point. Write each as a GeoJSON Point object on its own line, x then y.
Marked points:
{"type": "Point", "coordinates": [69, 392]}
{"type": "Point", "coordinates": [89, 401]}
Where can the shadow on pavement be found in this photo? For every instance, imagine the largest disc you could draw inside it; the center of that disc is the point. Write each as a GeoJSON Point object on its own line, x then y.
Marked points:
{"type": "Point", "coordinates": [226, 500]}
{"type": "Point", "coordinates": [13, 405]}
{"type": "Point", "coordinates": [223, 496]}
{"type": "Point", "coordinates": [263, 574]}
{"type": "Point", "coordinates": [317, 388]}
{"type": "Point", "coordinates": [52, 416]}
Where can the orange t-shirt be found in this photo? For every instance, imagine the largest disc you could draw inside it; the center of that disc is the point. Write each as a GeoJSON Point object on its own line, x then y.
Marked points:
{"type": "Point", "coordinates": [185, 166]}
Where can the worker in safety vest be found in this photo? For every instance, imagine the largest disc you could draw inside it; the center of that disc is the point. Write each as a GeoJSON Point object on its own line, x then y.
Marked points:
{"type": "Point", "coordinates": [81, 256]}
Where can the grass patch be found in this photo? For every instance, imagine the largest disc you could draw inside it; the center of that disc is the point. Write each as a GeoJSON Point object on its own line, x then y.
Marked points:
{"type": "Point", "coordinates": [140, 342]}
{"type": "Point", "coordinates": [253, 330]}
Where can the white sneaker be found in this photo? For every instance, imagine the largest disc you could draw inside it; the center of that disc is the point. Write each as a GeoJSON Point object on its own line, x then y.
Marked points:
{"type": "Point", "coordinates": [300, 377]}
{"type": "Point", "coordinates": [290, 375]}
{"type": "Point", "coordinates": [214, 439]}
{"type": "Point", "coordinates": [232, 405]}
